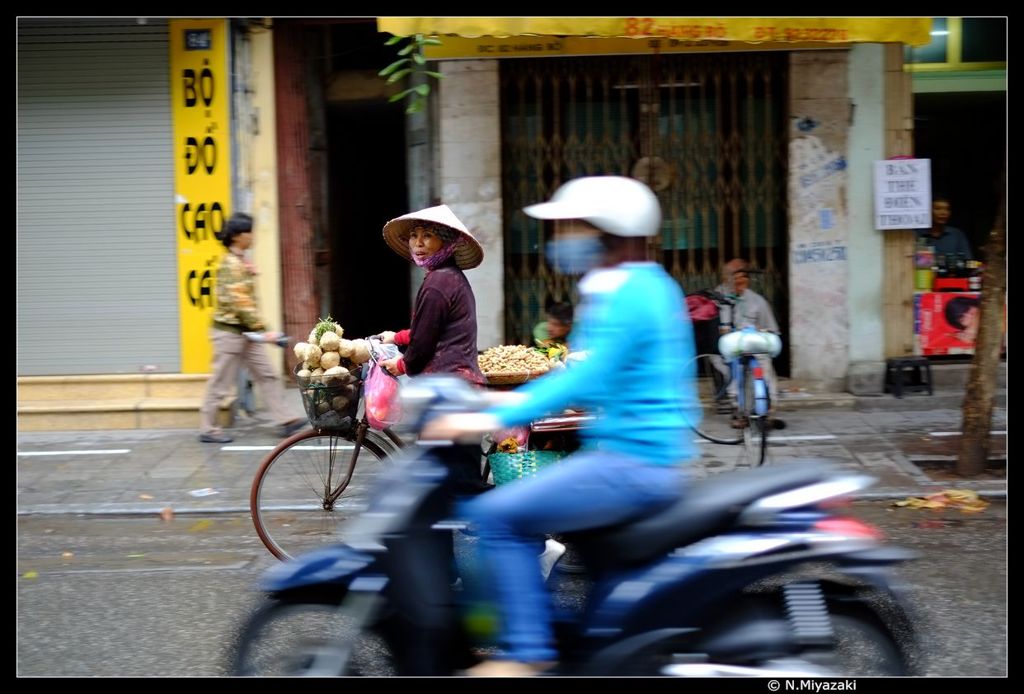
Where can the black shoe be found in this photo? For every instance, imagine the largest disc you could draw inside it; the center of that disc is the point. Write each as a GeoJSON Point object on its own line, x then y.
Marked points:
{"type": "Point", "coordinates": [286, 430]}
{"type": "Point", "coordinates": [215, 438]}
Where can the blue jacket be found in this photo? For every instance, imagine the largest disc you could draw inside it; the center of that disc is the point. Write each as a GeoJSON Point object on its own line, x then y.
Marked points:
{"type": "Point", "coordinates": [951, 242]}
{"type": "Point", "coordinates": [639, 376]}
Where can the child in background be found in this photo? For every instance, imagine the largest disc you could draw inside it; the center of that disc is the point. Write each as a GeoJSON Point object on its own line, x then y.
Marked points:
{"type": "Point", "coordinates": [554, 331]}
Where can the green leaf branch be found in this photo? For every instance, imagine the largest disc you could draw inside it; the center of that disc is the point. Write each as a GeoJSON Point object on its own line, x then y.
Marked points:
{"type": "Point", "coordinates": [411, 64]}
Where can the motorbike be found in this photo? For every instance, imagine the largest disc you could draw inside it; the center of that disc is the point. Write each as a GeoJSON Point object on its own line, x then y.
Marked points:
{"type": "Point", "coordinates": [750, 573]}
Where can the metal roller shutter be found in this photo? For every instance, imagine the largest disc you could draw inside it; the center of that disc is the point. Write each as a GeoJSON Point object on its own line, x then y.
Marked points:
{"type": "Point", "coordinates": [96, 263]}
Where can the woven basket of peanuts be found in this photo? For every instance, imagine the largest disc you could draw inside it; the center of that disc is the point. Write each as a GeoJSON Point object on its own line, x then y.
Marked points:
{"type": "Point", "coordinates": [506, 365]}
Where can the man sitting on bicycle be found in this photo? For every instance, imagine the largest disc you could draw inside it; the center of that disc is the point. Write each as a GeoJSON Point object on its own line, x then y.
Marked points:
{"type": "Point", "coordinates": [748, 309]}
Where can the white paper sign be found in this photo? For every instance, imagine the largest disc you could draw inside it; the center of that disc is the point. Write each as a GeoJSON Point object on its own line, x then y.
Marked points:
{"type": "Point", "coordinates": [903, 194]}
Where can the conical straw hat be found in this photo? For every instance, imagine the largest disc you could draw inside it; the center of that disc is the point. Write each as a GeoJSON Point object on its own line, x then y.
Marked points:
{"type": "Point", "coordinates": [469, 252]}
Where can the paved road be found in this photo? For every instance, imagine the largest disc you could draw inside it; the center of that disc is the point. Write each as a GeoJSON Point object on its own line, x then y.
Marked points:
{"type": "Point", "coordinates": [142, 596]}
{"type": "Point", "coordinates": [138, 596]}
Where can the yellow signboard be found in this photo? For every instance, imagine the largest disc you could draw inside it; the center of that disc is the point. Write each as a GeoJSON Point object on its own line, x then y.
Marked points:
{"type": "Point", "coordinates": [454, 47]}
{"type": "Point", "coordinates": [913, 30]}
{"type": "Point", "coordinates": [200, 100]}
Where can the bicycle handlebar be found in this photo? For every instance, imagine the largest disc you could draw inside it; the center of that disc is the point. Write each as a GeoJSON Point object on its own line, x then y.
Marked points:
{"type": "Point", "coordinates": [282, 340]}
{"type": "Point", "coordinates": [374, 341]}
{"type": "Point", "coordinates": [716, 297]}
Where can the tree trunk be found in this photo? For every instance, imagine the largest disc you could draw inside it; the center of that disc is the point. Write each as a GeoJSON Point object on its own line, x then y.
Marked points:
{"type": "Point", "coordinates": [981, 385]}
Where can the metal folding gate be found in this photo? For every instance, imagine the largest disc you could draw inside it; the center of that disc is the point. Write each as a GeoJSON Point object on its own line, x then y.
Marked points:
{"type": "Point", "coordinates": [707, 132]}
{"type": "Point", "coordinates": [95, 238]}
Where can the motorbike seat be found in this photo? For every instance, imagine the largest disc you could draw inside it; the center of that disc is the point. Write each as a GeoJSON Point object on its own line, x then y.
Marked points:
{"type": "Point", "coordinates": [708, 507]}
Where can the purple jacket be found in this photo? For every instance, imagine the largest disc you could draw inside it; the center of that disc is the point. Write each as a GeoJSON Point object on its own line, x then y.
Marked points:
{"type": "Point", "coordinates": [442, 338]}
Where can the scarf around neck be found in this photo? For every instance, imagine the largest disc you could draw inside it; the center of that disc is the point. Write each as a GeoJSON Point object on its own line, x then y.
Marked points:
{"type": "Point", "coordinates": [451, 239]}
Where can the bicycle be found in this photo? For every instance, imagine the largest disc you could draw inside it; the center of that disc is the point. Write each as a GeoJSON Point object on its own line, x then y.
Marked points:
{"type": "Point", "coordinates": [749, 421]}
{"type": "Point", "coordinates": [296, 497]}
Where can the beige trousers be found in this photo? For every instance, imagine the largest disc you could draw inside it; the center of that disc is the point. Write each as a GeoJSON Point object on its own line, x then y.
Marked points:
{"type": "Point", "coordinates": [229, 352]}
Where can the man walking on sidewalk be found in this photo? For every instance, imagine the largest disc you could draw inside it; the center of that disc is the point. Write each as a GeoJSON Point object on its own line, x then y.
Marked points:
{"type": "Point", "coordinates": [237, 313]}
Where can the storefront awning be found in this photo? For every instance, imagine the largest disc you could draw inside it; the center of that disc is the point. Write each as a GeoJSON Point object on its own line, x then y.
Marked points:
{"type": "Point", "coordinates": [843, 30]}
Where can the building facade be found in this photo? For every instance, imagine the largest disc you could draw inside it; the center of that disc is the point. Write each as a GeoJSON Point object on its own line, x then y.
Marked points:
{"type": "Point", "coordinates": [763, 154]}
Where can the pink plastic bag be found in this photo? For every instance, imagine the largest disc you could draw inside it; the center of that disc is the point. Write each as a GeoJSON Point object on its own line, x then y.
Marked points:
{"type": "Point", "coordinates": [383, 408]}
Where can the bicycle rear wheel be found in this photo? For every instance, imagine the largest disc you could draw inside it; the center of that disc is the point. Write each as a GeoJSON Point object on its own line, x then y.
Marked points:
{"type": "Point", "coordinates": [310, 485]}
{"type": "Point", "coordinates": [716, 419]}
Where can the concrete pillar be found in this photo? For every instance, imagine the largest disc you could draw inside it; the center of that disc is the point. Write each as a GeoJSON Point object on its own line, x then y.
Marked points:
{"type": "Point", "coordinates": [819, 218]}
{"type": "Point", "coordinates": [898, 305]}
{"type": "Point", "coordinates": [470, 178]}
{"type": "Point", "coordinates": [255, 131]}
{"type": "Point", "coordinates": [866, 256]}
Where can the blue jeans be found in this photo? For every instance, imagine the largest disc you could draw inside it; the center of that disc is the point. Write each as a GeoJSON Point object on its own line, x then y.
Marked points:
{"type": "Point", "coordinates": [590, 489]}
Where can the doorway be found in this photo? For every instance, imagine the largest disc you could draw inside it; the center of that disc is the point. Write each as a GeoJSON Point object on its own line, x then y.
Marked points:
{"type": "Point", "coordinates": [366, 183]}
{"type": "Point", "coordinates": [369, 281]}
{"type": "Point", "coordinates": [964, 135]}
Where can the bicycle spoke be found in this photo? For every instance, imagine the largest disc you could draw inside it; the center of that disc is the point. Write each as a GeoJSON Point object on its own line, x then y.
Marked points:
{"type": "Point", "coordinates": [306, 492]}
{"type": "Point", "coordinates": [320, 467]}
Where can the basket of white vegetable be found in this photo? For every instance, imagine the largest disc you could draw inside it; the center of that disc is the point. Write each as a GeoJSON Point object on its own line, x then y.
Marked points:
{"type": "Point", "coordinates": [329, 376]}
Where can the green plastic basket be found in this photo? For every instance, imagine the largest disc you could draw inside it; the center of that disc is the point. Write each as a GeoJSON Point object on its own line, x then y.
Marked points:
{"type": "Point", "coordinates": [508, 467]}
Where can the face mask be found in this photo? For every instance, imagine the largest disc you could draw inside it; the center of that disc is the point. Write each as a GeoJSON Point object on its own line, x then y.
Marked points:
{"type": "Point", "coordinates": [575, 254]}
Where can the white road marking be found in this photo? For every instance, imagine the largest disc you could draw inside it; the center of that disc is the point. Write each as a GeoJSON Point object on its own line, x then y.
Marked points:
{"type": "Point", "coordinates": [772, 439]}
{"type": "Point", "coordinates": [337, 447]}
{"type": "Point", "coordinates": [960, 433]}
{"type": "Point", "coordinates": [112, 451]}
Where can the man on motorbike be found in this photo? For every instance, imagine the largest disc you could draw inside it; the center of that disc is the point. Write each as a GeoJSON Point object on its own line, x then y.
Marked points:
{"type": "Point", "coordinates": [633, 323]}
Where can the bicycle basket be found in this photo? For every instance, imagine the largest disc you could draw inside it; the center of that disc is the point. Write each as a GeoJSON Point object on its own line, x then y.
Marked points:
{"type": "Point", "coordinates": [508, 467]}
{"type": "Point", "coordinates": [331, 405]}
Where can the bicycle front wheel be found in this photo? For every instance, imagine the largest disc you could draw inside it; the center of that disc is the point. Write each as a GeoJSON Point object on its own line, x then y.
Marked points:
{"type": "Point", "coordinates": [755, 434]}
{"type": "Point", "coordinates": [755, 438]}
{"type": "Point", "coordinates": [308, 487]}
{"type": "Point", "coordinates": [716, 406]}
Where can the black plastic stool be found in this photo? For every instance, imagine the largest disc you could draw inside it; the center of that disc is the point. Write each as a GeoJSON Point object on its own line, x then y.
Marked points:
{"type": "Point", "coordinates": [908, 375]}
